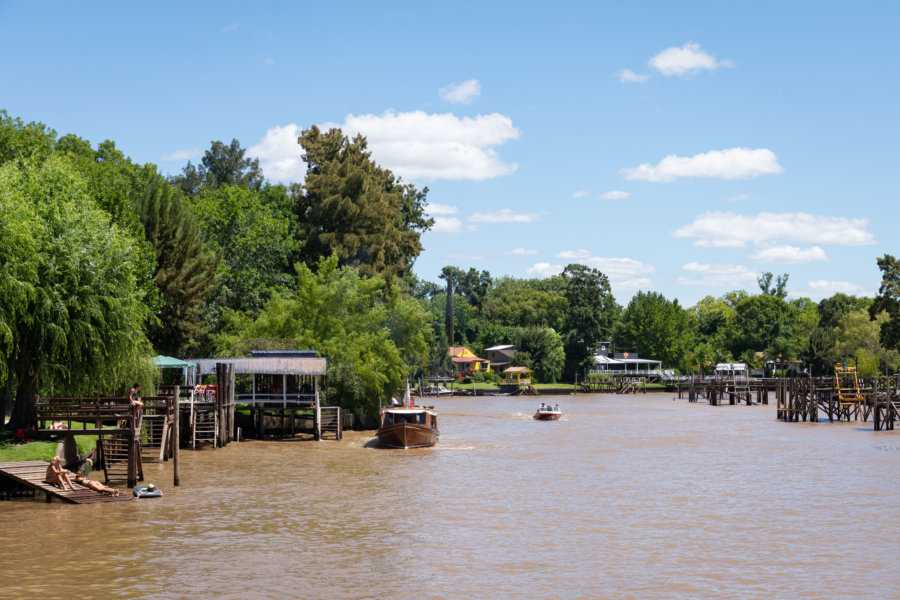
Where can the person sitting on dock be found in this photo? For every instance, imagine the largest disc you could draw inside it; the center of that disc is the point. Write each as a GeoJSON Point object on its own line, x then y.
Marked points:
{"type": "Point", "coordinates": [133, 397]}
{"type": "Point", "coordinates": [98, 487]}
{"type": "Point", "coordinates": [58, 476]}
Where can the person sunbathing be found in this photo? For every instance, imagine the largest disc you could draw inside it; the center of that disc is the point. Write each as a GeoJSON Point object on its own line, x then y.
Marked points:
{"type": "Point", "coordinates": [98, 487]}
{"type": "Point", "coordinates": [58, 476]}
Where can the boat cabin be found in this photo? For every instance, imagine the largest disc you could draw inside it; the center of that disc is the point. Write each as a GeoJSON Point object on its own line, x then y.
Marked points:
{"type": "Point", "coordinates": [412, 416]}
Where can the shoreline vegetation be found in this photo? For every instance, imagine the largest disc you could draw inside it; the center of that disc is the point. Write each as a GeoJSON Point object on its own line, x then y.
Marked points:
{"type": "Point", "coordinates": [217, 261]}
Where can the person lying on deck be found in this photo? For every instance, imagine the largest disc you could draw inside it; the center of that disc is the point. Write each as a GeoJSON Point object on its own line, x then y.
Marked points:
{"type": "Point", "coordinates": [98, 487]}
{"type": "Point", "coordinates": [56, 475]}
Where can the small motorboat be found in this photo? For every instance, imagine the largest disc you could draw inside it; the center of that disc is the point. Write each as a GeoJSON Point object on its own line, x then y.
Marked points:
{"type": "Point", "coordinates": [545, 412]}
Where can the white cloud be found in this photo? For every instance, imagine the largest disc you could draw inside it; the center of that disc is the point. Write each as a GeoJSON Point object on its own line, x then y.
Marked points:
{"type": "Point", "coordinates": [717, 275]}
{"type": "Point", "coordinates": [574, 254]}
{"type": "Point", "coordinates": [631, 285]}
{"type": "Point", "coordinates": [731, 230]}
{"type": "Point", "coordinates": [449, 225]}
{"type": "Point", "coordinates": [580, 194]}
{"type": "Point", "coordinates": [433, 208]}
{"type": "Point", "coordinates": [520, 252]}
{"type": "Point", "coordinates": [461, 93]}
{"type": "Point", "coordinates": [280, 156]}
{"type": "Point", "coordinates": [738, 198]}
{"type": "Point", "coordinates": [184, 154]}
{"type": "Point", "coordinates": [629, 76]}
{"type": "Point", "coordinates": [615, 195]}
{"type": "Point", "coordinates": [687, 60]}
{"type": "Point", "coordinates": [823, 288]}
{"type": "Point", "coordinates": [270, 61]}
{"type": "Point", "coordinates": [228, 28]}
{"type": "Point", "coordinates": [503, 216]}
{"type": "Point", "coordinates": [436, 146]}
{"type": "Point", "coordinates": [414, 145]}
{"type": "Point", "coordinates": [625, 274]}
{"type": "Point", "coordinates": [732, 163]}
{"type": "Point", "coordinates": [789, 255]}
{"type": "Point", "coordinates": [618, 269]}
{"type": "Point", "coordinates": [543, 269]}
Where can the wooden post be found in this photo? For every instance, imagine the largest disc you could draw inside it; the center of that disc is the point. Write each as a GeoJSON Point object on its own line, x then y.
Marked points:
{"type": "Point", "coordinates": [176, 437]}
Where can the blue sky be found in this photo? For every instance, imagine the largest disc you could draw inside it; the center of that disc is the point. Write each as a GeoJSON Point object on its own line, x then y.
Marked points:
{"type": "Point", "coordinates": [682, 148]}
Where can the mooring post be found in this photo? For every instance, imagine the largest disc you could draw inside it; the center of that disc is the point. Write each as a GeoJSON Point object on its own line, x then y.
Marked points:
{"type": "Point", "coordinates": [176, 436]}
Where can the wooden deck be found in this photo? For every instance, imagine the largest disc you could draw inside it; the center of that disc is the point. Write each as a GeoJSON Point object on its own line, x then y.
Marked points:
{"type": "Point", "coordinates": [31, 474]}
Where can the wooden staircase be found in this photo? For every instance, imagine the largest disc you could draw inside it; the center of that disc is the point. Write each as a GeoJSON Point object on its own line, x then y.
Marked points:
{"type": "Point", "coordinates": [331, 421]}
{"type": "Point", "coordinates": [113, 451]}
{"type": "Point", "coordinates": [204, 426]}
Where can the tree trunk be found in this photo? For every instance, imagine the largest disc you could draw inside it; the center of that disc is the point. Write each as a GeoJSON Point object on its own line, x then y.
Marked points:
{"type": "Point", "coordinates": [6, 400]}
{"type": "Point", "coordinates": [23, 414]}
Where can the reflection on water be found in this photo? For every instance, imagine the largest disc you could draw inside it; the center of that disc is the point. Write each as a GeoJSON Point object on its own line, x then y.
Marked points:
{"type": "Point", "coordinates": [626, 497]}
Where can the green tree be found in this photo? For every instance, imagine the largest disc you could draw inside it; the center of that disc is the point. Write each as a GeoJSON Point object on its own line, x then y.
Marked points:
{"type": "Point", "coordinates": [541, 350]}
{"type": "Point", "coordinates": [351, 318]}
{"type": "Point", "coordinates": [221, 165]}
{"type": "Point", "coordinates": [859, 342]}
{"type": "Point", "coordinates": [819, 353]}
{"type": "Point", "coordinates": [764, 322]}
{"type": "Point", "coordinates": [660, 328]}
{"type": "Point", "coordinates": [591, 313]}
{"type": "Point", "coordinates": [833, 308]}
{"type": "Point", "coordinates": [353, 208]}
{"type": "Point", "coordinates": [253, 232]}
{"type": "Point", "coordinates": [24, 141]}
{"type": "Point", "coordinates": [778, 290]}
{"type": "Point", "coordinates": [70, 314]}
{"type": "Point", "coordinates": [186, 271]}
{"type": "Point", "coordinates": [526, 303]}
{"type": "Point", "coordinates": [888, 300]}
{"type": "Point", "coordinates": [451, 275]}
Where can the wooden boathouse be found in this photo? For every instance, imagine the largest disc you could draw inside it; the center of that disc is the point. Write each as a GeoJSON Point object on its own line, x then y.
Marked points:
{"type": "Point", "coordinates": [280, 384]}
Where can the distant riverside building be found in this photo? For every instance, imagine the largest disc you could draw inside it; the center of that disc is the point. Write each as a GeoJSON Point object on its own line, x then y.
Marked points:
{"type": "Point", "coordinates": [464, 360]}
{"type": "Point", "coordinates": [500, 357]}
{"type": "Point", "coordinates": [624, 363]}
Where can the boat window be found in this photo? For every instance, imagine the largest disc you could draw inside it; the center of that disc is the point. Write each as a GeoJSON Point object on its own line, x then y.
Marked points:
{"type": "Point", "coordinates": [422, 418]}
{"type": "Point", "coordinates": [388, 419]}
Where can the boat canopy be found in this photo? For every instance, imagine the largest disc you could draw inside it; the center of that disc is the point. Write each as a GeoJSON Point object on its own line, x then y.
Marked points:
{"type": "Point", "coordinates": [410, 411]}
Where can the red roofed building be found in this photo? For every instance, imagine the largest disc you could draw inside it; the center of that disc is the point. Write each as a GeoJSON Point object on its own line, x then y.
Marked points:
{"type": "Point", "coordinates": [464, 360]}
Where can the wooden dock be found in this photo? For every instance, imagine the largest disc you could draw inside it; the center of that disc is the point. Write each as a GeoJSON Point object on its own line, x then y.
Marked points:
{"type": "Point", "coordinates": [31, 474]}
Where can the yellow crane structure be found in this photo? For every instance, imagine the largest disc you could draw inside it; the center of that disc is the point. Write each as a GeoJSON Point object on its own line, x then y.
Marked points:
{"type": "Point", "coordinates": [846, 384]}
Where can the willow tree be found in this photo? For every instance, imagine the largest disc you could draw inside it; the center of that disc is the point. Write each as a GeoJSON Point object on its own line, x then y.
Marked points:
{"type": "Point", "coordinates": [70, 314]}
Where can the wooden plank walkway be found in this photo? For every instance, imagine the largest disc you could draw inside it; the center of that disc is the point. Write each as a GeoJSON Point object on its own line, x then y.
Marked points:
{"type": "Point", "coordinates": [31, 473]}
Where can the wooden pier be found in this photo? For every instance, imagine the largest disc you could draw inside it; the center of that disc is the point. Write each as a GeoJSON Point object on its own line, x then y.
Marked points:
{"type": "Point", "coordinates": [805, 398]}
{"type": "Point", "coordinates": [30, 474]}
{"type": "Point", "coordinates": [126, 435]}
{"type": "Point", "coordinates": [721, 392]}
{"type": "Point", "coordinates": [613, 384]}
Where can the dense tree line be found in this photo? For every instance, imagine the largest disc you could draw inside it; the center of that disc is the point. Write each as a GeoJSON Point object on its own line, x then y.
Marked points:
{"type": "Point", "coordinates": [105, 262]}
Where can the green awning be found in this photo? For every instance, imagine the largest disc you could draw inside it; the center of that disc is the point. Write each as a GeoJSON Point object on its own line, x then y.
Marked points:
{"type": "Point", "coordinates": [167, 362]}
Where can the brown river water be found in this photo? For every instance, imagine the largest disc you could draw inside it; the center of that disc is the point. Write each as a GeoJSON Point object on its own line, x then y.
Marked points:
{"type": "Point", "coordinates": [625, 497]}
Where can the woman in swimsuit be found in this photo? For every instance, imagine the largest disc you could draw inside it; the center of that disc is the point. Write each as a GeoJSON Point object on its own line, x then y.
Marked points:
{"type": "Point", "coordinates": [56, 475]}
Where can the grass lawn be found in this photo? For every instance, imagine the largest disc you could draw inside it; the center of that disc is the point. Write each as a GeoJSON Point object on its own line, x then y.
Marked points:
{"type": "Point", "coordinates": [39, 450]}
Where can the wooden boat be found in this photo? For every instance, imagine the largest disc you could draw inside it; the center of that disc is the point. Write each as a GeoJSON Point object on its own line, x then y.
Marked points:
{"type": "Point", "coordinates": [547, 413]}
{"type": "Point", "coordinates": [408, 427]}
